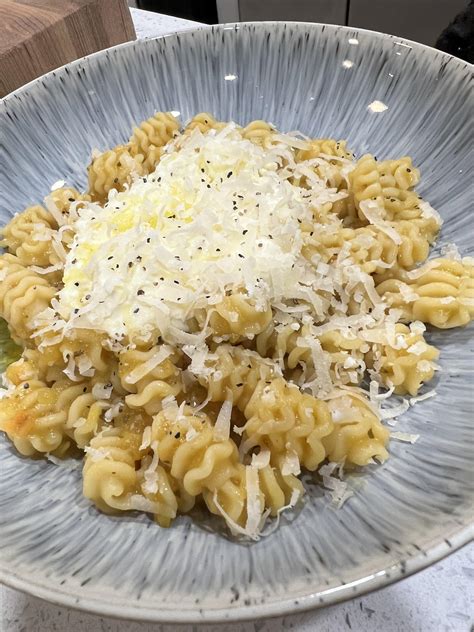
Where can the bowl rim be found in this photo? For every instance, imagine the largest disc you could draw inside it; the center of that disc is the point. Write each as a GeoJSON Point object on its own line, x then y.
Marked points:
{"type": "Point", "coordinates": [237, 26]}
{"type": "Point", "coordinates": [283, 607]}
{"type": "Point", "coordinates": [438, 549]}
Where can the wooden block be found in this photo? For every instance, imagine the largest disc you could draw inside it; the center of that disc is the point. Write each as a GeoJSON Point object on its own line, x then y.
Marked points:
{"type": "Point", "coordinates": [37, 36]}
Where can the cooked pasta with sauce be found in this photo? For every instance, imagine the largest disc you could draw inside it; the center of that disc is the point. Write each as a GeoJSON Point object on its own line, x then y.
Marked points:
{"type": "Point", "coordinates": [216, 315]}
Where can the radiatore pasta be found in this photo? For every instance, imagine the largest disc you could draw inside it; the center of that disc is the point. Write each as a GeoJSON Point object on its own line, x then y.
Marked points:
{"type": "Point", "coordinates": [216, 315]}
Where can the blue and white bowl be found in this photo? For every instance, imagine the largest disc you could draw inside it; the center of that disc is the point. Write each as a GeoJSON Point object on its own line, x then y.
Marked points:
{"type": "Point", "coordinates": [323, 81]}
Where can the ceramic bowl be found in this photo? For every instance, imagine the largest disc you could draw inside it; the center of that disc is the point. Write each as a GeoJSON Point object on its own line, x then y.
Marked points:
{"type": "Point", "coordinates": [384, 95]}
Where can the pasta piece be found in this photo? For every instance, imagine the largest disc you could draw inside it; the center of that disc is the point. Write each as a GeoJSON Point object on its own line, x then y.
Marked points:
{"type": "Point", "coordinates": [186, 443]}
{"type": "Point", "coordinates": [259, 132]}
{"type": "Point", "coordinates": [406, 364]}
{"type": "Point", "coordinates": [237, 316]}
{"type": "Point", "coordinates": [84, 416]}
{"type": "Point", "coordinates": [113, 169]}
{"type": "Point", "coordinates": [149, 138]}
{"type": "Point", "coordinates": [279, 490]}
{"type": "Point", "coordinates": [236, 371]}
{"type": "Point", "coordinates": [25, 369]}
{"type": "Point", "coordinates": [325, 146]}
{"type": "Point", "coordinates": [149, 381]}
{"type": "Point", "coordinates": [389, 185]}
{"type": "Point", "coordinates": [23, 226]}
{"type": "Point", "coordinates": [329, 169]}
{"type": "Point", "coordinates": [275, 493]}
{"type": "Point", "coordinates": [79, 353]}
{"type": "Point", "coordinates": [32, 234]}
{"type": "Point", "coordinates": [29, 234]}
{"type": "Point", "coordinates": [33, 415]}
{"type": "Point", "coordinates": [290, 424]}
{"type": "Point", "coordinates": [23, 295]}
{"type": "Point", "coordinates": [382, 181]}
{"type": "Point", "coordinates": [110, 474]}
{"type": "Point", "coordinates": [358, 436]}
{"type": "Point", "coordinates": [441, 293]}
{"type": "Point", "coordinates": [122, 473]}
{"type": "Point", "coordinates": [333, 171]}
{"type": "Point", "coordinates": [292, 348]}
{"type": "Point", "coordinates": [65, 196]}
{"type": "Point", "coordinates": [412, 249]}
{"type": "Point", "coordinates": [204, 122]}
{"type": "Point", "coordinates": [164, 492]}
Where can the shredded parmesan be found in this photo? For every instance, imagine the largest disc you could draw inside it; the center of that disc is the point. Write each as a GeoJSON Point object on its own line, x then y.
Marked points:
{"type": "Point", "coordinates": [422, 398]}
{"type": "Point", "coordinates": [102, 391]}
{"type": "Point", "coordinates": [233, 204]}
{"type": "Point", "coordinates": [222, 425]}
{"type": "Point", "coordinates": [373, 214]}
{"type": "Point", "coordinates": [254, 503]}
{"type": "Point", "coordinates": [151, 478]}
{"type": "Point", "coordinates": [261, 460]}
{"type": "Point", "coordinates": [337, 488]}
{"type": "Point", "coordinates": [146, 438]}
{"type": "Point", "coordinates": [146, 367]}
{"type": "Point", "coordinates": [405, 437]}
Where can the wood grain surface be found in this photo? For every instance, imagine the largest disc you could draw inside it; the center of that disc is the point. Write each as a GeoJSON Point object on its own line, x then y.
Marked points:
{"type": "Point", "coordinates": [37, 36]}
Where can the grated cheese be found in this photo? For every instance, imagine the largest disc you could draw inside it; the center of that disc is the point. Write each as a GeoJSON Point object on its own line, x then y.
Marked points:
{"type": "Point", "coordinates": [146, 367]}
{"type": "Point", "coordinates": [222, 425]}
{"type": "Point", "coordinates": [151, 478]}
{"type": "Point", "coordinates": [421, 398]}
{"type": "Point", "coordinates": [338, 489]}
{"type": "Point", "coordinates": [405, 437]}
{"type": "Point", "coordinates": [373, 213]}
{"type": "Point", "coordinates": [241, 218]}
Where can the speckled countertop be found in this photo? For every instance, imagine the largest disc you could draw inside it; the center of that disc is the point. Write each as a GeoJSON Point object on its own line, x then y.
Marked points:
{"type": "Point", "coordinates": [439, 599]}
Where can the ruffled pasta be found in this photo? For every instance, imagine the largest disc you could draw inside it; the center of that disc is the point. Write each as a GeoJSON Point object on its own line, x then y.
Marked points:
{"type": "Point", "coordinates": [441, 293]}
{"type": "Point", "coordinates": [383, 251]}
{"type": "Point", "coordinates": [23, 227]}
{"type": "Point", "coordinates": [238, 316]}
{"type": "Point", "coordinates": [149, 381]}
{"type": "Point", "coordinates": [204, 122]}
{"type": "Point", "coordinates": [113, 169]}
{"type": "Point", "coordinates": [149, 138]}
{"type": "Point", "coordinates": [331, 161]}
{"type": "Point", "coordinates": [385, 181]}
{"type": "Point", "coordinates": [406, 363]}
{"type": "Point", "coordinates": [23, 295]}
{"type": "Point", "coordinates": [34, 415]}
{"type": "Point", "coordinates": [295, 348]}
{"type": "Point", "coordinates": [259, 132]}
{"type": "Point", "coordinates": [206, 464]}
{"type": "Point", "coordinates": [234, 371]}
{"type": "Point", "coordinates": [290, 424]}
{"type": "Point", "coordinates": [110, 475]}
{"type": "Point", "coordinates": [358, 436]}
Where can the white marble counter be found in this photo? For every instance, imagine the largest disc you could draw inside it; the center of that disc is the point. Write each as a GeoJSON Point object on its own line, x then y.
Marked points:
{"type": "Point", "coordinates": [439, 599]}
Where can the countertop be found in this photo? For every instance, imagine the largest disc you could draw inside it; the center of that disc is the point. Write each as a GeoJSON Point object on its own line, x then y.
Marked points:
{"type": "Point", "coordinates": [440, 598]}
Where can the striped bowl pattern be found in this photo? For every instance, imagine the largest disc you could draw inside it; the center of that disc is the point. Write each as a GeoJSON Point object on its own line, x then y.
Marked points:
{"type": "Point", "coordinates": [406, 513]}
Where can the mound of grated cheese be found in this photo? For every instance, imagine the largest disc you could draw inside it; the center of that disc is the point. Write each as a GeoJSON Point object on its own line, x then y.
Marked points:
{"type": "Point", "coordinates": [219, 214]}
